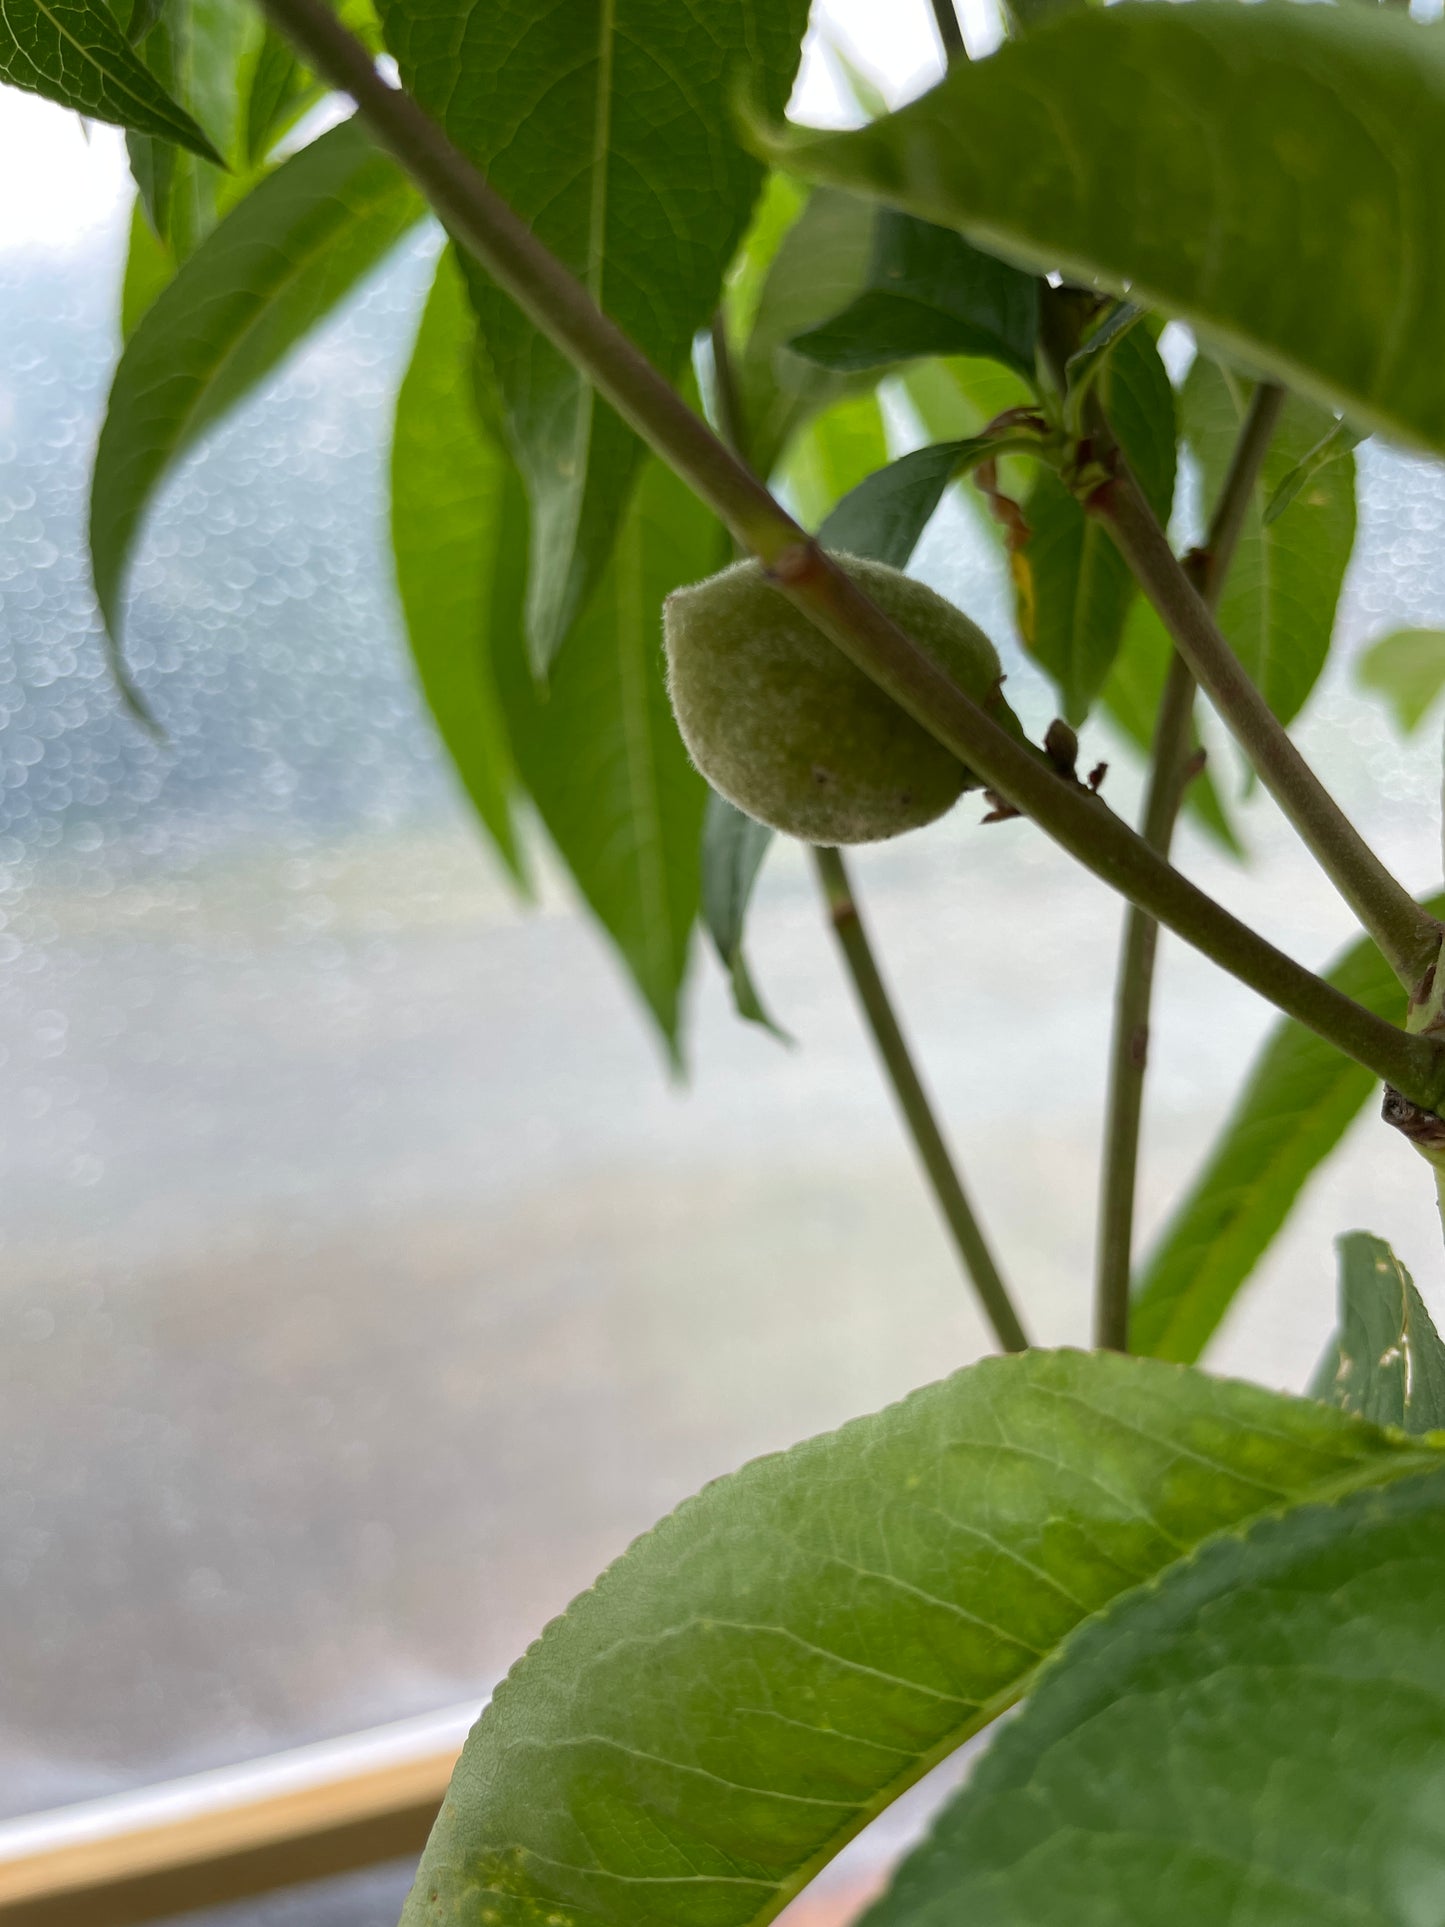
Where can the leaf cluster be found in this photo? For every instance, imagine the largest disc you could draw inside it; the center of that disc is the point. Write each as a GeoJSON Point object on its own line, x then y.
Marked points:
{"type": "Point", "coordinates": [1221, 1604]}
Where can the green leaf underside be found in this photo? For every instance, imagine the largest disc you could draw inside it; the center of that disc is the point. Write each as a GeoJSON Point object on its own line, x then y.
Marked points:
{"type": "Point", "coordinates": [606, 126]}
{"type": "Point", "coordinates": [885, 515]}
{"type": "Point", "coordinates": [279, 89]}
{"type": "Point", "coordinates": [1339, 440]}
{"type": "Point", "coordinates": [598, 750]}
{"type": "Point", "coordinates": [1278, 606]}
{"type": "Point", "coordinates": [1299, 1099]}
{"type": "Point", "coordinates": [1386, 1361]}
{"type": "Point", "coordinates": [149, 266]}
{"type": "Point", "coordinates": [733, 848]}
{"type": "Point", "coordinates": [73, 52]}
{"type": "Point", "coordinates": [1179, 155]}
{"type": "Point", "coordinates": [929, 293]}
{"type": "Point", "coordinates": [280, 262]}
{"type": "Point", "coordinates": [1081, 585]}
{"type": "Point", "coordinates": [761, 1674]}
{"type": "Point", "coordinates": [1258, 1739]}
{"type": "Point", "coordinates": [820, 263]}
{"type": "Point", "coordinates": [204, 51]}
{"type": "Point", "coordinates": [831, 455]}
{"type": "Point", "coordinates": [1131, 696]}
{"type": "Point", "coordinates": [1408, 668]}
{"type": "Point", "coordinates": [447, 486]}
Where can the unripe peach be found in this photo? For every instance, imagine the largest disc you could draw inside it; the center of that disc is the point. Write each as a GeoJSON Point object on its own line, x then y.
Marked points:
{"type": "Point", "coordinates": [782, 723]}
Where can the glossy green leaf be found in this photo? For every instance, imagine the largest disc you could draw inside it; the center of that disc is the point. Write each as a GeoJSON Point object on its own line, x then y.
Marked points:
{"type": "Point", "coordinates": [832, 455]}
{"type": "Point", "coordinates": [73, 52]}
{"type": "Point", "coordinates": [606, 126]}
{"type": "Point", "coordinates": [1258, 1739]}
{"type": "Point", "coordinates": [204, 50]}
{"type": "Point", "coordinates": [1299, 1099]}
{"type": "Point", "coordinates": [885, 515]}
{"type": "Point", "coordinates": [1278, 605]}
{"type": "Point", "coordinates": [1131, 697]}
{"type": "Point", "coordinates": [279, 263]}
{"type": "Point", "coordinates": [149, 267]}
{"type": "Point", "coordinates": [928, 292]}
{"type": "Point", "coordinates": [1339, 440]}
{"type": "Point", "coordinates": [1386, 1361]}
{"type": "Point", "coordinates": [448, 484]}
{"type": "Point", "coordinates": [820, 263]}
{"type": "Point", "coordinates": [1078, 589]}
{"type": "Point", "coordinates": [1258, 172]}
{"type": "Point", "coordinates": [598, 749]}
{"type": "Point", "coordinates": [955, 399]}
{"type": "Point", "coordinates": [1408, 669]}
{"type": "Point", "coordinates": [733, 848]}
{"type": "Point", "coordinates": [1089, 360]}
{"type": "Point", "coordinates": [760, 1675]}
{"type": "Point", "coordinates": [280, 88]}
{"type": "Point", "coordinates": [959, 396]}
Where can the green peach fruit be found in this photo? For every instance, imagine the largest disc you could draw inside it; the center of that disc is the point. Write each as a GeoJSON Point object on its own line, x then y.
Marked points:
{"type": "Point", "coordinates": [784, 725]}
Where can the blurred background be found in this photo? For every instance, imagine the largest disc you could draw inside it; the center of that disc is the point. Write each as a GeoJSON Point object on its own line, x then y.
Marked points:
{"type": "Point", "coordinates": [366, 1282]}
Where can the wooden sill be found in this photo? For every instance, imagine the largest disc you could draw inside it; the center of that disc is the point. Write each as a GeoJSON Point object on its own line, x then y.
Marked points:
{"type": "Point", "coordinates": [237, 1831]}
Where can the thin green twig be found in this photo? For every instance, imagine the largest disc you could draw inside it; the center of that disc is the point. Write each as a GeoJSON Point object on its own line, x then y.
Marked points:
{"type": "Point", "coordinates": [1408, 935]}
{"type": "Point", "coordinates": [1168, 782]}
{"type": "Point", "coordinates": [969, 1240]}
{"type": "Point", "coordinates": [945, 17]}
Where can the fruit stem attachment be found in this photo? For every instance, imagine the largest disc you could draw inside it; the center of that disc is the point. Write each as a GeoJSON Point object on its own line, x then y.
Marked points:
{"type": "Point", "coordinates": [563, 310]}
{"type": "Point", "coordinates": [1408, 935]}
{"type": "Point", "coordinates": [1168, 781]}
{"type": "Point", "coordinates": [912, 1099]}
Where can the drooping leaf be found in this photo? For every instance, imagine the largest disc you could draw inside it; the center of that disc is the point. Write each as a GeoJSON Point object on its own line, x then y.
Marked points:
{"type": "Point", "coordinates": [765, 1671]}
{"type": "Point", "coordinates": [866, 95]}
{"type": "Point", "coordinates": [1089, 361]}
{"type": "Point", "coordinates": [1258, 1738]}
{"type": "Point", "coordinates": [1254, 171]}
{"type": "Point", "coordinates": [777, 208]}
{"type": "Point", "coordinates": [733, 848]}
{"type": "Point", "coordinates": [831, 455]}
{"type": "Point", "coordinates": [279, 89]}
{"type": "Point", "coordinates": [820, 263]}
{"type": "Point", "coordinates": [1131, 697]}
{"type": "Point", "coordinates": [1339, 440]}
{"type": "Point", "coordinates": [276, 265]}
{"type": "Point", "coordinates": [1297, 1102]}
{"type": "Point", "coordinates": [73, 52]}
{"type": "Point", "coordinates": [1078, 589]}
{"type": "Point", "coordinates": [606, 126]}
{"type": "Point", "coordinates": [929, 293]}
{"type": "Point", "coordinates": [885, 515]}
{"type": "Point", "coordinates": [204, 50]}
{"type": "Point", "coordinates": [958, 396]}
{"type": "Point", "coordinates": [1408, 668]}
{"type": "Point", "coordinates": [1386, 1361]}
{"type": "Point", "coordinates": [1278, 605]}
{"type": "Point", "coordinates": [448, 485]}
{"type": "Point", "coordinates": [598, 749]}
{"type": "Point", "coordinates": [149, 267]}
